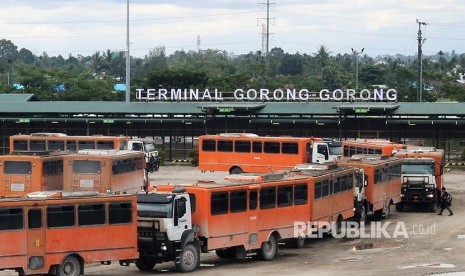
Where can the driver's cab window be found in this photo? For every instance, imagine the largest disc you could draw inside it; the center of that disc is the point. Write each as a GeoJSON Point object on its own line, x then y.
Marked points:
{"type": "Point", "coordinates": [323, 149]}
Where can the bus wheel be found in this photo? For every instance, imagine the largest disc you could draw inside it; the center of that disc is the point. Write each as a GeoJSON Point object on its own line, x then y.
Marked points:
{"type": "Point", "coordinates": [71, 266]}
{"type": "Point", "coordinates": [299, 242]}
{"type": "Point", "coordinates": [399, 207]}
{"type": "Point", "coordinates": [236, 170]}
{"type": "Point", "coordinates": [268, 249]}
{"type": "Point", "coordinates": [145, 264]}
{"type": "Point", "coordinates": [189, 259]}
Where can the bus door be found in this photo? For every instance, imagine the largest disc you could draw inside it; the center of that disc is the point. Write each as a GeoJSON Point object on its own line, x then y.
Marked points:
{"type": "Point", "coordinates": [35, 235]}
{"type": "Point", "coordinates": [253, 215]}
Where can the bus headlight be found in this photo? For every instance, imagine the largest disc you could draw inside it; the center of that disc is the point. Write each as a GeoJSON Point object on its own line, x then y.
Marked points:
{"type": "Point", "coordinates": [402, 195]}
{"type": "Point", "coordinates": [430, 195]}
{"type": "Point", "coordinates": [164, 248]}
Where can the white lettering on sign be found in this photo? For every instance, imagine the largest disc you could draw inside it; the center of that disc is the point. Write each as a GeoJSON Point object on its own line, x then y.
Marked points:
{"type": "Point", "coordinates": [264, 95]}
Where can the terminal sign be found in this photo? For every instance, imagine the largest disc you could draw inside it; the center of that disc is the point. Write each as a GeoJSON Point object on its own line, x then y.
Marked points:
{"type": "Point", "coordinates": [264, 95]}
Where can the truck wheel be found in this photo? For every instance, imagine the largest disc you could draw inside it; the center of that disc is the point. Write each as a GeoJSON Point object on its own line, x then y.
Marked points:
{"type": "Point", "coordinates": [189, 259]}
{"type": "Point", "coordinates": [268, 249]}
{"type": "Point", "coordinates": [70, 266]}
{"type": "Point", "coordinates": [145, 264]}
{"type": "Point", "coordinates": [236, 170]}
{"type": "Point", "coordinates": [399, 207]}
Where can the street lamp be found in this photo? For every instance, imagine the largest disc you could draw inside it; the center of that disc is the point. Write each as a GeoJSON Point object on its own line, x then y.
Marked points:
{"type": "Point", "coordinates": [356, 66]}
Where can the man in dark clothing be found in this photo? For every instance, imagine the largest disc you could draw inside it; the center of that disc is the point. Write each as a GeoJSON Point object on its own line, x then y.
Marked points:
{"type": "Point", "coordinates": [446, 200]}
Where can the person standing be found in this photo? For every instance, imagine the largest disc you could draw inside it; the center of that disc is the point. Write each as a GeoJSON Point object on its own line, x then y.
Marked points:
{"type": "Point", "coordinates": [446, 202]}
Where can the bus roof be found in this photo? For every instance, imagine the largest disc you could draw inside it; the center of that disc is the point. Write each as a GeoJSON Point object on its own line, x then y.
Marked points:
{"type": "Point", "coordinates": [99, 152]}
{"type": "Point", "coordinates": [253, 136]}
{"type": "Point", "coordinates": [372, 159]}
{"type": "Point", "coordinates": [90, 196]}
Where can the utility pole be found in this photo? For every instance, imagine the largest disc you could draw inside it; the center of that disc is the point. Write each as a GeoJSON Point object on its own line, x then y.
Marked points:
{"type": "Point", "coordinates": [266, 33]}
{"type": "Point", "coordinates": [420, 62]}
{"type": "Point", "coordinates": [356, 66]}
{"type": "Point", "coordinates": [128, 59]}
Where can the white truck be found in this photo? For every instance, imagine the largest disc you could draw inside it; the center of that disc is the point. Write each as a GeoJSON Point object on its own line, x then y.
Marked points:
{"type": "Point", "coordinates": [148, 147]}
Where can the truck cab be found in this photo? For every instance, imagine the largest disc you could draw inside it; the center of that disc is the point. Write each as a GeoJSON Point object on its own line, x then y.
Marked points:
{"type": "Point", "coordinates": [320, 152]}
{"type": "Point", "coordinates": [151, 154]}
{"type": "Point", "coordinates": [165, 231]}
{"type": "Point", "coordinates": [418, 183]}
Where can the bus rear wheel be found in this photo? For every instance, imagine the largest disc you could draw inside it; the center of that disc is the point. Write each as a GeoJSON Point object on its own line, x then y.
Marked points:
{"type": "Point", "coordinates": [268, 249]}
{"type": "Point", "coordinates": [145, 264]}
{"type": "Point", "coordinates": [70, 266]}
{"type": "Point", "coordinates": [236, 170]}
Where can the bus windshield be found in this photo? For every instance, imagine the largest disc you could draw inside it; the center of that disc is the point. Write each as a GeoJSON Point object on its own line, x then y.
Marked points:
{"type": "Point", "coordinates": [417, 169]}
{"type": "Point", "coordinates": [155, 210]}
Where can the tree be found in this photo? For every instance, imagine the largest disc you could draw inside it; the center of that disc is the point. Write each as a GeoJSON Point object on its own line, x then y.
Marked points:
{"type": "Point", "coordinates": [291, 65]}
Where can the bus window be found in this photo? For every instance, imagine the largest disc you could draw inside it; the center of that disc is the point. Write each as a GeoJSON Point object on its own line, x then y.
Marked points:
{"type": "Point", "coordinates": [119, 213]}
{"type": "Point", "coordinates": [325, 188]}
{"type": "Point", "coordinates": [242, 146]}
{"type": "Point", "coordinates": [209, 145]}
{"type": "Point", "coordinates": [290, 148]}
{"type": "Point", "coordinates": [317, 190]}
{"type": "Point", "coordinates": [20, 145]}
{"type": "Point", "coordinates": [34, 219]}
{"type": "Point", "coordinates": [38, 145]}
{"type": "Point", "coordinates": [337, 185]}
{"type": "Point", "coordinates": [253, 199]}
{"type": "Point", "coordinates": [300, 194]}
{"type": "Point", "coordinates": [257, 147]}
{"type": "Point", "coordinates": [267, 198]}
{"type": "Point", "coordinates": [91, 214]}
{"type": "Point", "coordinates": [271, 147]}
{"type": "Point", "coordinates": [11, 219]}
{"type": "Point", "coordinates": [192, 199]}
{"type": "Point", "coordinates": [56, 145]}
{"type": "Point", "coordinates": [86, 145]}
{"type": "Point", "coordinates": [238, 201]}
{"type": "Point", "coordinates": [18, 167]}
{"type": "Point", "coordinates": [285, 196]}
{"type": "Point", "coordinates": [71, 146]}
{"type": "Point", "coordinates": [104, 145]}
{"type": "Point", "coordinates": [60, 216]}
{"type": "Point", "coordinates": [219, 203]}
{"type": "Point", "coordinates": [86, 166]}
{"type": "Point", "coordinates": [226, 146]}
{"type": "Point", "coordinates": [323, 149]}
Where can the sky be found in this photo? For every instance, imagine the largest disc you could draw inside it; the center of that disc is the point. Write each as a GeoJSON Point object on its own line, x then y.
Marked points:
{"type": "Point", "coordinates": [83, 27]}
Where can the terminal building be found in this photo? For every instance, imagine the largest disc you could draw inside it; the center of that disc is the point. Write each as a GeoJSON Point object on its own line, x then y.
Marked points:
{"type": "Point", "coordinates": [176, 124]}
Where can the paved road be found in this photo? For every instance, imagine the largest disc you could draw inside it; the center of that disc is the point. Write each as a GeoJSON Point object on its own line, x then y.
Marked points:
{"type": "Point", "coordinates": [435, 244]}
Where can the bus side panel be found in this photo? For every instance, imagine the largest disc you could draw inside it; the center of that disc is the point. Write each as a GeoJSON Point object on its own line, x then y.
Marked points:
{"type": "Point", "coordinates": [343, 203]}
{"type": "Point", "coordinates": [52, 183]}
{"type": "Point", "coordinates": [321, 209]}
{"type": "Point", "coordinates": [13, 249]}
{"type": "Point", "coordinates": [130, 182]}
{"type": "Point", "coordinates": [92, 243]}
{"type": "Point", "coordinates": [228, 230]}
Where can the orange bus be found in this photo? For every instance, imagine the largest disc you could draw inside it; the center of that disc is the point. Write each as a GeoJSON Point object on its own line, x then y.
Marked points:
{"type": "Point", "coordinates": [105, 171]}
{"type": "Point", "coordinates": [57, 233]}
{"type": "Point", "coordinates": [23, 174]}
{"type": "Point", "coordinates": [48, 142]}
{"type": "Point", "coordinates": [370, 146]}
{"type": "Point", "coordinates": [244, 213]}
{"type": "Point", "coordinates": [422, 176]}
{"type": "Point", "coordinates": [383, 188]}
{"type": "Point", "coordinates": [246, 152]}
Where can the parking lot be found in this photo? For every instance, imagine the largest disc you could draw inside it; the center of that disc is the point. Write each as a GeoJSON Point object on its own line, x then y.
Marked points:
{"type": "Point", "coordinates": [433, 244]}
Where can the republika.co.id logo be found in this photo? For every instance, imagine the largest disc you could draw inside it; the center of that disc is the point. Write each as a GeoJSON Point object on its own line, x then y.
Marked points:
{"type": "Point", "coordinates": [360, 230]}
